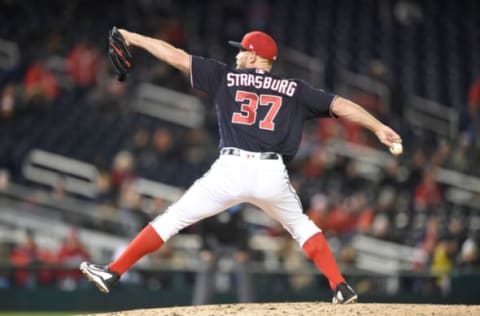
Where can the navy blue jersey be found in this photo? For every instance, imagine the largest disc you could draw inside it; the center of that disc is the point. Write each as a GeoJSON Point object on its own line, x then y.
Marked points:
{"type": "Point", "coordinates": [258, 111]}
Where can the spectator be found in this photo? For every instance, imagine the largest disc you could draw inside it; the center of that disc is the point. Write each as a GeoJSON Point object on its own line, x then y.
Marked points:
{"type": "Point", "coordinates": [40, 85]}
{"type": "Point", "coordinates": [469, 258]}
{"type": "Point", "coordinates": [314, 165]}
{"type": "Point", "coordinates": [166, 155]}
{"type": "Point", "coordinates": [381, 227]}
{"type": "Point", "coordinates": [443, 259]}
{"type": "Point", "coordinates": [428, 194]}
{"type": "Point", "coordinates": [69, 256]}
{"type": "Point", "coordinates": [31, 264]}
{"type": "Point", "coordinates": [139, 142]}
{"type": "Point", "coordinates": [123, 169]}
{"type": "Point", "coordinates": [143, 151]}
{"type": "Point", "coordinates": [82, 64]}
{"type": "Point", "coordinates": [164, 145]}
{"type": "Point", "coordinates": [104, 193]}
{"type": "Point", "coordinates": [342, 218]}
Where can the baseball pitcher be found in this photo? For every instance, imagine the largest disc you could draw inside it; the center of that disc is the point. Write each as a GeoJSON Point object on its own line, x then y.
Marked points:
{"type": "Point", "coordinates": [260, 120]}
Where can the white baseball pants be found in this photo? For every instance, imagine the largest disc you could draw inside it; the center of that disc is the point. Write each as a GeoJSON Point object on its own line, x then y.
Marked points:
{"type": "Point", "coordinates": [234, 179]}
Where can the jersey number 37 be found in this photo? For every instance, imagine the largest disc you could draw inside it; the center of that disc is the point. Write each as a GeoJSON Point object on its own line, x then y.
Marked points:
{"type": "Point", "coordinates": [249, 105]}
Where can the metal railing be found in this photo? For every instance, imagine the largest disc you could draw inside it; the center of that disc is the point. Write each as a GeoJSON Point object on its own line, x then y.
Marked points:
{"type": "Point", "coordinates": [432, 116]}
{"type": "Point", "coordinates": [169, 105]}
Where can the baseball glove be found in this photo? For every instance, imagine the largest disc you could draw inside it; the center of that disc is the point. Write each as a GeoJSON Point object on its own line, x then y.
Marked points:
{"type": "Point", "coordinates": [119, 54]}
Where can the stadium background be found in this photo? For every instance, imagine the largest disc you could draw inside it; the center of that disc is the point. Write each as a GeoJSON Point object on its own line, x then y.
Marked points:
{"type": "Point", "coordinates": [85, 158]}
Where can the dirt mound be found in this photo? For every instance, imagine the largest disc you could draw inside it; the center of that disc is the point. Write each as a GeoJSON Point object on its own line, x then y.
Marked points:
{"type": "Point", "coordinates": [307, 309]}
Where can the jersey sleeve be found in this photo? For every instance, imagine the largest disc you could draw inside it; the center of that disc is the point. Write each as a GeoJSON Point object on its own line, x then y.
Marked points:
{"type": "Point", "coordinates": [206, 74]}
{"type": "Point", "coordinates": [317, 102]}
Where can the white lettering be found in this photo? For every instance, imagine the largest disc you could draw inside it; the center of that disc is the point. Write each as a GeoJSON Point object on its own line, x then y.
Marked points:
{"type": "Point", "coordinates": [230, 79]}
{"type": "Point", "coordinates": [282, 86]}
{"type": "Point", "coordinates": [267, 82]}
{"type": "Point", "coordinates": [251, 80]}
{"type": "Point", "coordinates": [243, 79]}
{"type": "Point", "coordinates": [275, 84]}
{"type": "Point", "coordinates": [291, 88]}
{"type": "Point", "coordinates": [258, 82]}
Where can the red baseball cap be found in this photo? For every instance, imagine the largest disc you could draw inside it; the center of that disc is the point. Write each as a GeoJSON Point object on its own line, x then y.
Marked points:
{"type": "Point", "coordinates": [259, 42]}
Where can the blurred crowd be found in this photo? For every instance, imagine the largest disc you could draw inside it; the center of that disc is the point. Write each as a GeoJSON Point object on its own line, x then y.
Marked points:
{"type": "Point", "coordinates": [406, 204]}
{"type": "Point", "coordinates": [34, 266]}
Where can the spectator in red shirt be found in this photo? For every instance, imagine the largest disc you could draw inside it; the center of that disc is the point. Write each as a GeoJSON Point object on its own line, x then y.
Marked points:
{"type": "Point", "coordinates": [70, 255]}
{"type": "Point", "coordinates": [83, 63]}
{"type": "Point", "coordinates": [428, 194]}
{"type": "Point", "coordinates": [342, 219]}
{"type": "Point", "coordinates": [41, 86]}
{"type": "Point", "coordinates": [29, 261]}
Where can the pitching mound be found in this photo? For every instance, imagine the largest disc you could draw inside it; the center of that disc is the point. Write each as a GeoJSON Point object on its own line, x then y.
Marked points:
{"type": "Point", "coordinates": [307, 309]}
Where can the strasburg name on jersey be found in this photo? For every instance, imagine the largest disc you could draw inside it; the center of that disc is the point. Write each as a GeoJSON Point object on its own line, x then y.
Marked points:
{"type": "Point", "coordinates": [282, 86]}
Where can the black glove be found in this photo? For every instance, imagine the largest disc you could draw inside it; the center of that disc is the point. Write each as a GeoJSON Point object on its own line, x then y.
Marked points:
{"type": "Point", "coordinates": [119, 54]}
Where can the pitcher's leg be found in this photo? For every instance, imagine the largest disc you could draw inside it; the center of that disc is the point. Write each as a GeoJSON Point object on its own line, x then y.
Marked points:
{"type": "Point", "coordinates": [204, 198]}
{"type": "Point", "coordinates": [289, 213]}
{"type": "Point", "coordinates": [199, 202]}
{"type": "Point", "coordinates": [147, 241]}
{"type": "Point", "coordinates": [316, 248]}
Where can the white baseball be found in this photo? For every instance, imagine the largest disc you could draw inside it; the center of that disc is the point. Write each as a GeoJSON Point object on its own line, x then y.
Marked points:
{"type": "Point", "coordinates": [396, 149]}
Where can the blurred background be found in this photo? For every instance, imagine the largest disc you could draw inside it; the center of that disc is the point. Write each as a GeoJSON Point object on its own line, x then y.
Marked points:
{"type": "Point", "coordinates": [87, 161]}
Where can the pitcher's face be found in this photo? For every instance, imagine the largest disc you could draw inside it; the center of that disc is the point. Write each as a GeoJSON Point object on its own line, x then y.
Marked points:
{"type": "Point", "coordinates": [242, 59]}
